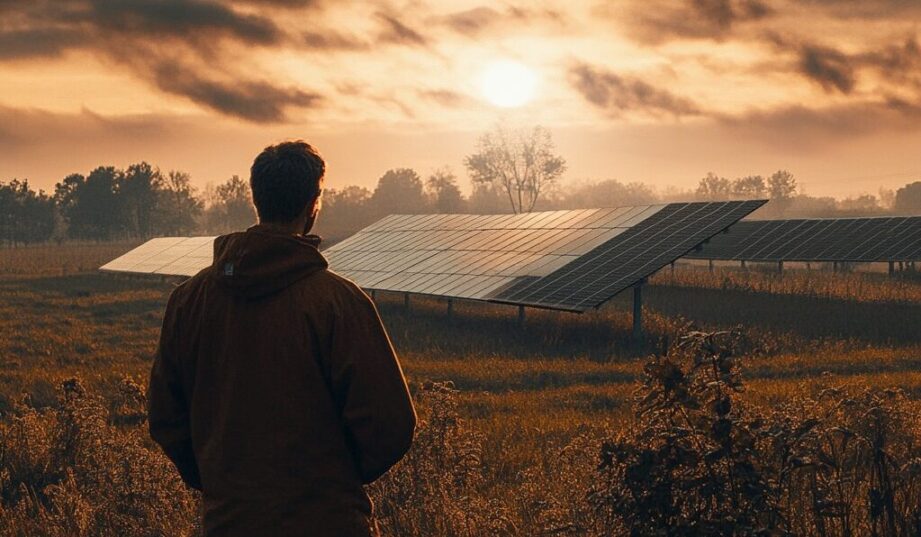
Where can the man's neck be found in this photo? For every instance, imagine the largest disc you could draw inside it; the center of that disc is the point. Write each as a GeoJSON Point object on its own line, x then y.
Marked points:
{"type": "Point", "coordinates": [286, 228]}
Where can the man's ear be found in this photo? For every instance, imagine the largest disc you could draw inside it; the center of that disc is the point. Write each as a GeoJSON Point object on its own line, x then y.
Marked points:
{"type": "Point", "coordinates": [315, 208]}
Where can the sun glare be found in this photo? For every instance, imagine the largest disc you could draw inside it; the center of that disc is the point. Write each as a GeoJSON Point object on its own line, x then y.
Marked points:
{"type": "Point", "coordinates": [508, 83]}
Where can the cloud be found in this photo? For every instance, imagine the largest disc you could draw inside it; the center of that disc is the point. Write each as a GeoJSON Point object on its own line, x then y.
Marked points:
{"type": "Point", "coordinates": [862, 9]}
{"type": "Point", "coordinates": [471, 21]}
{"type": "Point", "coordinates": [901, 62]}
{"type": "Point", "coordinates": [395, 31]}
{"type": "Point", "coordinates": [176, 45]}
{"type": "Point", "coordinates": [281, 3]}
{"type": "Point", "coordinates": [798, 126]}
{"type": "Point", "coordinates": [660, 22]}
{"type": "Point", "coordinates": [446, 97]}
{"type": "Point", "coordinates": [616, 94]}
{"type": "Point", "coordinates": [191, 20]}
{"type": "Point", "coordinates": [832, 69]}
{"type": "Point", "coordinates": [332, 40]}
{"type": "Point", "coordinates": [39, 42]}
{"type": "Point", "coordinates": [255, 101]}
{"type": "Point", "coordinates": [25, 128]}
{"type": "Point", "coordinates": [896, 66]}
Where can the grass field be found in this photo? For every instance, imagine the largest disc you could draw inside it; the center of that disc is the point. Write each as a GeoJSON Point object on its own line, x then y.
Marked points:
{"type": "Point", "coordinates": [528, 396]}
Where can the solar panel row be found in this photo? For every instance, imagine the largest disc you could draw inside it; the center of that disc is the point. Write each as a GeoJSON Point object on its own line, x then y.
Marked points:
{"type": "Point", "coordinates": [569, 260]}
{"type": "Point", "coordinates": [835, 239]}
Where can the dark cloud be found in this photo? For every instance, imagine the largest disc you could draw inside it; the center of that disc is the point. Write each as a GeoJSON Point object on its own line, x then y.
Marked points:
{"type": "Point", "coordinates": [897, 65]}
{"type": "Point", "coordinates": [722, 14]}
{"type": "Point", "coordinates": [176, 45]}
{"type": "Point", "coordinates": [446, 97]}
{"type": "Point", "coordinates": [617, 94]}
{"type": "Point", "coordinates": [255, 101]}
{"type": "Point", "coordinates": [472, 21]}
{"type": "Point", "coordinates": [39, 42]}
{"type": "Point", "coordinates": [658, 22]}
{"type": "Point", "coordinates": [281, 3]}
{"type": "Point", "coordinates": [332, 40]}
{"type": "Point", "coordinates": [800, 126]}
{"type": "Point", "coordinates": [24, 128]}
{"type": "Point", "coordinates": [863, 9]}
{"type": "Point", "coordinates": [188, 19]}
{"type": "Point", "coordinates": [901, 62]}
{"type": "Point", "coordinates": [395, 31]}
{"type": "Point", "coordinates": [476, 21]}
{"type": "Point", "coordinates": [832, 69]}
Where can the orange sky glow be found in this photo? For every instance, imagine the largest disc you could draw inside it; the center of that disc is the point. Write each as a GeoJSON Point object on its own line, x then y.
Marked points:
{"type": "Point", "coordinates": [657, 92]}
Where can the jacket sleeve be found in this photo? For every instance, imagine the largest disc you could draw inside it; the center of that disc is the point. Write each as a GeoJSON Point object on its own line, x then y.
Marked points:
{"type": "Point", "coordinates": [167, 406]}
{"type": "Point", "coordinates": [369, 387]}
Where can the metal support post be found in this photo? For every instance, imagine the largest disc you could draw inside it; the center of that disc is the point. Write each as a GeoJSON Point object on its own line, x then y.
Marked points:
{"type": "Point", "coordinates": [406, 300]}
{"type": "Point", "coordinates": [710, 264]}
{"type": "Point", "coordinates": [742, 263]}
{"type": "Point", "coordinates": [891, 268]}
{"type": "Point", "coordinates": [450, 308]}
{"type": "Point", "coordinates": [780, 266]}
{"type": "Point", "coordinates": [638, 312]}
{"type": "Point", "coordinates": [520, 315]}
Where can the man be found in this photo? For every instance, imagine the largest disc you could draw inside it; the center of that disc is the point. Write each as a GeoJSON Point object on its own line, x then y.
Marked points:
{"type": "Point", "coordinates": [275, 389]}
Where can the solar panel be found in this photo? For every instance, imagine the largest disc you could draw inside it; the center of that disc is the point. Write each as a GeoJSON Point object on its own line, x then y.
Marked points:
{"type": "Point", "coordinates": [569, 260]}
{"type": "Point", "coordinates": [167, 256]}
{"type": "Point", "coordinates": [873, 239]}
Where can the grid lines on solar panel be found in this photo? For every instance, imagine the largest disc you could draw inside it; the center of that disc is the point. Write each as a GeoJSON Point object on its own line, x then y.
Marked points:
{"type": "Point", "coordinates": [632, 255]}
{"type": "Point", "coordinates": [870, 239]}
{"type": "Point", "coordinates": [166, 256]}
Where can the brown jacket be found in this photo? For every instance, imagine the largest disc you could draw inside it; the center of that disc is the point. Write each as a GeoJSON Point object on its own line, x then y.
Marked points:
{"type": "Point", "coordinates": [275, 391]}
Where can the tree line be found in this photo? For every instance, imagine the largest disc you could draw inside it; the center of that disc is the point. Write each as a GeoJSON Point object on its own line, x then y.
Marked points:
{"type": "Point", "coordinates": [509, 171]}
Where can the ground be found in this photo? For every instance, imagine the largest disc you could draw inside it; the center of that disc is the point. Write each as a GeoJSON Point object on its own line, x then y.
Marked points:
{"type": "Point", "coordinates": [520, 387]}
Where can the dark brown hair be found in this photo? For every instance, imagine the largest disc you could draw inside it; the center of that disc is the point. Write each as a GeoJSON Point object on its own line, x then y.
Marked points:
{"type": "Point", "coordinates": [285, 178]}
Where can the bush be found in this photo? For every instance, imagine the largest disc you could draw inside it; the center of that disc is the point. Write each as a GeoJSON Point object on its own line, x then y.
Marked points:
{"type": "Point", "coordinates": [70, 471]}
{"type": "Point", "coordinates": [843, 461]}
{"type": "Point", "coordinates": [435, 489]}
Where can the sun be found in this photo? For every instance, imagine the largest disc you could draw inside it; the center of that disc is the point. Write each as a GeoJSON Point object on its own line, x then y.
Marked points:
{"type": "Point", "coordinates": [508, 83]}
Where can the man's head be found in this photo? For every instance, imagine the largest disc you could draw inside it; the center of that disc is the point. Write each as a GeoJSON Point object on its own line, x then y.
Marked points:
{"type": "Point", "coordinates": [287, 180]}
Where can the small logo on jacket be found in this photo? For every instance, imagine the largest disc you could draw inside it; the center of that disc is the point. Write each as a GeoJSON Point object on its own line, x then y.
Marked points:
{"type": "Point", "coordinates": [228, 269]}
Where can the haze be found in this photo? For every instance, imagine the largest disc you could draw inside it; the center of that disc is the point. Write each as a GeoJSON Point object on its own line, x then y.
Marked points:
{"type": "Point", "coordinates": [828, 89]}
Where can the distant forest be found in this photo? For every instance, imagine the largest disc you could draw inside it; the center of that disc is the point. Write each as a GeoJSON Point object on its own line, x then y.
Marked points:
{"type": "Point", "coordinates": [140, 202]}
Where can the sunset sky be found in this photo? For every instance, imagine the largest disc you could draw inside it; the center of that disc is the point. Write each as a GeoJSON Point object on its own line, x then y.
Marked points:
{"type": "Point", "coordinates": [653, 91]}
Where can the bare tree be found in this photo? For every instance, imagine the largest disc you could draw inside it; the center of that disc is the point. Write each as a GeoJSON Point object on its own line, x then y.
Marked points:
{"type": "Point", "coordinates": [522, 163]}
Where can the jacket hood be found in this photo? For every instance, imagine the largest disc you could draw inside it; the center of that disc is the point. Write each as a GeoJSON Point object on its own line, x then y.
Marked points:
{"type": "Point", "coordinates": [262, 261]}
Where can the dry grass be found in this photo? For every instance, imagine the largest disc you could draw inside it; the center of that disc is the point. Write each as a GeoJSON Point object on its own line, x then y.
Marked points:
{"type": "Point", "coordinates": [851, 286]}
{"type": "Point", "coordinates": [530, 405]}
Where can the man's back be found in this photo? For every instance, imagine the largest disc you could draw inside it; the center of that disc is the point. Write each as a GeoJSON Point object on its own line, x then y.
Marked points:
{"type": "Point", "coordinates": [276, 391]}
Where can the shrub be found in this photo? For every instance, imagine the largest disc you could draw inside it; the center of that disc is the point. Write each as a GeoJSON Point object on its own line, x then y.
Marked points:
{"type": "Point", "coordinates": [68, 471]}
{"type": "Point", "coordinates": [844, 461]}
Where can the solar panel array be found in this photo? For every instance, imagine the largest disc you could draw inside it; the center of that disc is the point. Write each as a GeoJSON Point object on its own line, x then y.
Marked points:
{"type": "Point", "coordinates": [832, 239]}
{"type": "Point", "coordinates": [570, 260]}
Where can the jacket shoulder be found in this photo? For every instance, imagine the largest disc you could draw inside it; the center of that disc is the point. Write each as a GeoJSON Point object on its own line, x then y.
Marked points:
{"type": "Point", "coordinates": [188, 288]}
{"type": "Point", "coordinates": [340, 286]}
